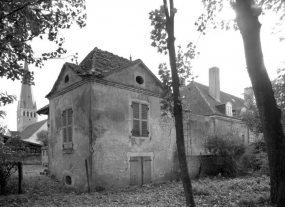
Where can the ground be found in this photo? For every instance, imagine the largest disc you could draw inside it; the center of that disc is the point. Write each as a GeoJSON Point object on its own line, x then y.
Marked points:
{"type": "Point", "coordinates": [41, 190]}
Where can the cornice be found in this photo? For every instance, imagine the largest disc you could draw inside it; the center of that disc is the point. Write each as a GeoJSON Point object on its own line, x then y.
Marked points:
{"type": "Point", "coordinates": [103, 82]}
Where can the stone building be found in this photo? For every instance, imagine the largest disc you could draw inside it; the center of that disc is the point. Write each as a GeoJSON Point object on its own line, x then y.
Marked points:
{"type": "Point", "coordinates": [210, 111]}
{"type": "Point", "coordinates": [106, 110]}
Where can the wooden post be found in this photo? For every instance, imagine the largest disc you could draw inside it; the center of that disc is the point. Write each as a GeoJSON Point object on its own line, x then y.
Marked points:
{"type": "Point", "coordinates": [20, 176]}
{"type": "Point", "coordinates": [87, 174]}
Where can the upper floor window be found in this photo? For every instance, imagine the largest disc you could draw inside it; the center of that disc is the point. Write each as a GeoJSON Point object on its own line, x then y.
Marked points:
{"type": "Point", "coordinates": [229, 109]}
{"type": "Point", "coordinates": [140, 119]}
{"type": "Point", "coordinates": [67, 127]}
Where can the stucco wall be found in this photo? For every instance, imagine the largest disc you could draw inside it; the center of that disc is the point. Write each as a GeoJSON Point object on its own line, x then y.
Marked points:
{"type": "Point", "coordinates": [197, 128]}
{"type": "Point", "coordinates": [113, 142]}
{"type": "Point", "coordinates": [111, 146]}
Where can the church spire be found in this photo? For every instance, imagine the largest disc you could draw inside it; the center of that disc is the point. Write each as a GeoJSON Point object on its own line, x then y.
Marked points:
{"type": "Point", "coordinates": [26, 112]}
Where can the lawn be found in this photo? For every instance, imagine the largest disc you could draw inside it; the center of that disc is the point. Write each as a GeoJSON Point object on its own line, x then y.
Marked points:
{"type": "Point", "coordinates": [41, 190]}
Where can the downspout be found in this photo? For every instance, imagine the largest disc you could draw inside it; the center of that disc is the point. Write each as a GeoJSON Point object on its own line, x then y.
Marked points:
{"type": "Point", "coordinates": [91, 150]}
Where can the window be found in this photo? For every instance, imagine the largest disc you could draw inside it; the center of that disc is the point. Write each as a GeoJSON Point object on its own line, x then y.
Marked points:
{"type": "Point", "coordinates": [229, 110]}
{"type": "Point", "coordinates": [34, 114]}
{"type": "Point", "coordinates": [140, 120]}
{"type": "Point", "coordinates": [24, 113]}
{"type": "Point", "coordinates": [67, 128]}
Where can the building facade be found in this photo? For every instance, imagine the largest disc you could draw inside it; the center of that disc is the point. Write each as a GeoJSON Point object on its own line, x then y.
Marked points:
{"type": "Point", "coordinates": [106, 112]}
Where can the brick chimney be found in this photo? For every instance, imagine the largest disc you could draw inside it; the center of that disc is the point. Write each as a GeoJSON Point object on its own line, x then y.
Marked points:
{"type": "Point", "coordinates": [214, 83]}
{"type": "Point", "coordinates": [248, 96]}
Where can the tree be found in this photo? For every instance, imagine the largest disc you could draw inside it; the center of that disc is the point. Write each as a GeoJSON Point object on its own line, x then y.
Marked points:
{"type": "Point", "coordinates": [21, 22]}
{"type": "Point", "coordinates": [5, 99]}
{"type": "Point", "coordinates": [11, 152]}
{"type": "Point", "coordinates": [163, 38]}
{"type": "Point", "coordinates": [247, 13]}
{"type": "Point", "coordinates": [42, 136]}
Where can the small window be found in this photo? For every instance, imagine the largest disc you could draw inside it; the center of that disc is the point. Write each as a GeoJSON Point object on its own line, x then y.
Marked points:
{"type": "Point", "coordinates": [34, 114]}
{"type": "Point", "coordinates": [68, 180]}
{"type": "Point", "coordinates": [67, 127]}
{"type": "Point", "coordinates": [140, 120]}
{"type": "Point", "coordinates": [66, 79]}
{"type": "Point", "coordinates": [229, 110]}
{"type": "Point", "coordinates": [139, 80]}
{"type": "Point", "coordinates": [24, 113]}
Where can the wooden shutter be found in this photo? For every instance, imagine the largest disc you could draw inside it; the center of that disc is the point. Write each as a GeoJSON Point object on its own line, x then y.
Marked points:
{"type": "Point", "coordinates": [144, 120]}
{"type": "Point", "coordinates": [69, 125]}
{"type": "Point", "coordinates": [146, 170]}
{"type": "Point", "coordinates": [64, 128]}
{"type": "Point", "coordinates": [136, 119]}
{"type": "Point", "coordinates": [135, 171]}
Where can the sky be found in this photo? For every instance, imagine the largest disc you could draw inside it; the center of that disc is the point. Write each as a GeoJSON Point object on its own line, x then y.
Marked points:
{"type": "Point", "coordinates": [123, 28]}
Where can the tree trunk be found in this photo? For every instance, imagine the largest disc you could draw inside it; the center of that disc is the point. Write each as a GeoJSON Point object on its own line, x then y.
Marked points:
{"type": "Point", "coordinates": [178, 107]}
{"type": "Point", "coordinates": [270, 114]}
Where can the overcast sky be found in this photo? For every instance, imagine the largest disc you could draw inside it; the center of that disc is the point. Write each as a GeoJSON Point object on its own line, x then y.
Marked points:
{"type": "Point", "coordinates": [123, 28]}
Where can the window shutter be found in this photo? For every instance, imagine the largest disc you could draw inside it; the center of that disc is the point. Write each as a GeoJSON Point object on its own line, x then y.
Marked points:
{"type": "Point", "coordinates": [64, 134]}
{"type": "Point", "coordinates": [69, 134]}
{"type": "Point", "coordinates": [64, 118]}
{"type": "Point", "coordinates": [144, 120]}
{"type": "Point", "coordinates": [69, 117]}
{"type": "Point", "coordinates": [136, 119]}
{"type": "Point", "coordinates": [69, 125]}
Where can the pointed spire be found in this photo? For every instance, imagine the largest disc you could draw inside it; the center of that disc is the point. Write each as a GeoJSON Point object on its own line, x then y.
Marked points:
{"type": "Point", "coordinates": [130, 58]}
{"type": "Point", "coordinates": [26, 106]}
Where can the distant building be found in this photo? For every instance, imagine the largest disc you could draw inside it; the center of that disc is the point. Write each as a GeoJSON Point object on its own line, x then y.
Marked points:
{"type": "Point", "coordinates": [27, 107]}
{"type": "Point", "coordinates": [29, 134]}
{"type": "Point", "coordinates": [27, 118]}
{"type": "Point", "coordinates": [210, 111]}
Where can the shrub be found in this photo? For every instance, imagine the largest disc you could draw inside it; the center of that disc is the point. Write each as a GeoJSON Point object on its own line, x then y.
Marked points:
{"type": "Point", "coordinates": [11, 152]}
{"type": "Point", "coordinates": [255, 158]}
{"type": "Point", "coordinates": [228, 147]}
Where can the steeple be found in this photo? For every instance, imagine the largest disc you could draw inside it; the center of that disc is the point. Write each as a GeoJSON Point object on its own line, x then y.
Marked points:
{"type": "Point", "coordinates": [26, 112]}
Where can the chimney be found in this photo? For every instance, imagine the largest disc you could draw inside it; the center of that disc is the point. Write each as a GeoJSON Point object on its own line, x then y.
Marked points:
{"type": "Point", "coordinates": [248, 96]}
{"type": "Point", "coordinates": [214, 83]}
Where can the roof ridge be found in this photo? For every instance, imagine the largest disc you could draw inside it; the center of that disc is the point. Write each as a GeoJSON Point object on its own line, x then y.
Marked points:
{"type": "Point", "coordinates": [220, 90]}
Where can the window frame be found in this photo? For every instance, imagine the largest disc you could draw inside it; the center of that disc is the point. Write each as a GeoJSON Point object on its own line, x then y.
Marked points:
{"type": "Point", "coordinates": [140, 102]}
{"type": "Point", "coordinates": [67, 143]}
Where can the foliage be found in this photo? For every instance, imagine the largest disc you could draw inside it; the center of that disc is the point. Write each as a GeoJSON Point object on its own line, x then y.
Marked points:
{"type": "Point", "coordinates": [5, 99]}
{"type": "Point", "coordinates": [22, 21]}
{"type": "Point", "coordinates": [42, 136]}
{"type": "Point", "coordinates": [215, 191]}
{"type": "Point", "coordinates": [255, 158]}
{"type": "Point", "coordinates": [229, 147]}
{"type": "Point", "coordinates": [251, 116]}
{"type": "Point", "coordinates": [11, 152]}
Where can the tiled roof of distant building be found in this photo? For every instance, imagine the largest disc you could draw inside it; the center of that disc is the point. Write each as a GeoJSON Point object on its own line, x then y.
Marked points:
{"type": "Point", "coordinates": [196, 98]}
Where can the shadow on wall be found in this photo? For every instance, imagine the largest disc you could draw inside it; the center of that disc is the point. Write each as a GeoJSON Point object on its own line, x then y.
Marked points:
{"type": "Point", "coordinates": [199, 166]}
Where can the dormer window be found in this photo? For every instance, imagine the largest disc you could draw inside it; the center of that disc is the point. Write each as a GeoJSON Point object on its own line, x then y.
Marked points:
{"type": "Point", "coordinates": [229, 109]}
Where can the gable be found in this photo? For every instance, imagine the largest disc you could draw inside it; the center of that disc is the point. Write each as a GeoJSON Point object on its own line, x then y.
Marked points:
{"type": "Point", "coordinates": [136, 74]}
{"type": "Point", "coordinates": [67, 76]}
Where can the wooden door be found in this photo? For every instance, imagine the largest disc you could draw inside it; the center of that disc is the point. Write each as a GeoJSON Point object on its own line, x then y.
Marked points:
{"type": "Point", "coordinates": [136, 171]}
{"type": "Point", "coordinates": [146, 170]}
{"type": "Point", "coordinates": [140, 170]}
